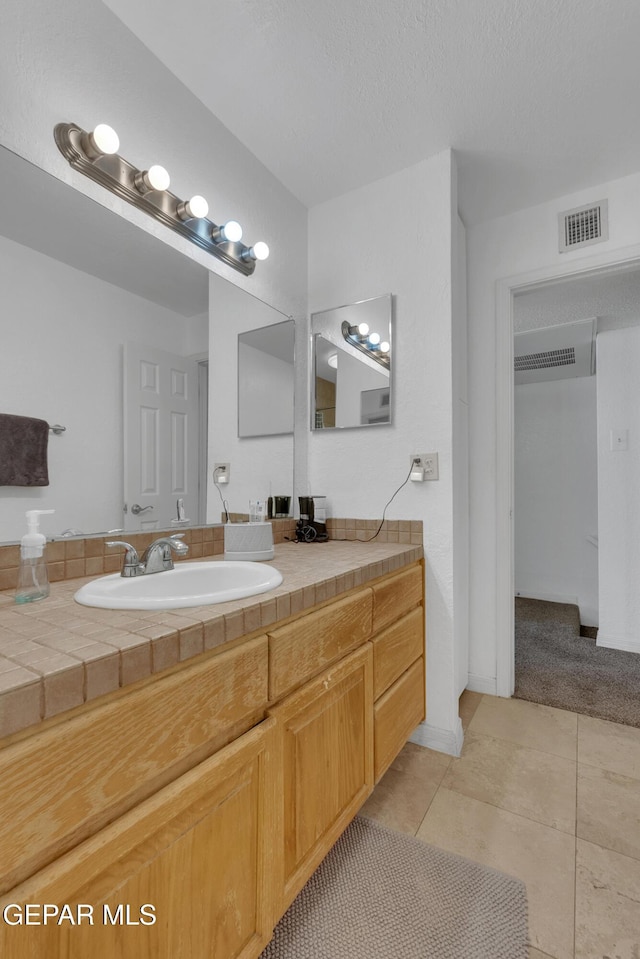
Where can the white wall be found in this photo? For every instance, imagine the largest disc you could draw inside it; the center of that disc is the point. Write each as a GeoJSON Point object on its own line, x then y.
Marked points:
{"type": "Point", "coordinates": [618, 356]}
{"type": "Point", "coordinates": [522, 243]}
{"type": "Point", "coordinates": [359, 469]}
{"type": "Point", "coordinates": [556, 496]}
{"type": "Point", "coordinates": [353, 378]}
{"type": "Point", "coordinates": [61, 361]}
{"type": "Point", "coordinates": [77, 62]}
{"type": "Point", "coordinates": [260, 466]}
{"type": "Point", "coordinates": [266, 389]}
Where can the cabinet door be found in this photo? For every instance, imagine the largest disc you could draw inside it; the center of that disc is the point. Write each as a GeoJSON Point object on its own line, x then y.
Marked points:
{"type": "Point", "coordinates": [197, 857]}
{"type": "Point", "coordinates": [327, 743]}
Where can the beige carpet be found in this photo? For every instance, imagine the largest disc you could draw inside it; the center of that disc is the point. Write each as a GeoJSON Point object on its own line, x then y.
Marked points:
{"type": "Point", "coordinates": [380, 894]}
{"type": "Point", "coordinates": [556, 666]}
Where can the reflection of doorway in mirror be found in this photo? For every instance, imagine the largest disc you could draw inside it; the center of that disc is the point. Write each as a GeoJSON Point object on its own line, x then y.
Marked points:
{"type": "Point", "coordinates": [160, 438]}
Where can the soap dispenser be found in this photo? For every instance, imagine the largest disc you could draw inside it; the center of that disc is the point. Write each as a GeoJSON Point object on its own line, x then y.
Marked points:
{"type": "Point", "coordinates": [33, 579]}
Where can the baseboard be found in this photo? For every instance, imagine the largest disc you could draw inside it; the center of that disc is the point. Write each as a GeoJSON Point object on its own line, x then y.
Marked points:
{"type": "Point", "coordinates": [547, 597]}
{"type": "Point", "coordinates": [442, 740]}
{"type": "Point", "coordinates": [618, 642]}
{"type": "Point", "coordinates": [482, 684]}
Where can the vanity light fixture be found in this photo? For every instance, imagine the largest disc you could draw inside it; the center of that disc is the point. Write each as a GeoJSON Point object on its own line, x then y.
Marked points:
{"type": "Point", "coordinates": [95, 154]}
{"type": "Point", "coordinates": [332, 361]}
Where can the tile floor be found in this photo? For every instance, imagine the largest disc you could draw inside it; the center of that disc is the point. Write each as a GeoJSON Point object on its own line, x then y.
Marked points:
{"type": "Point", "coordinates": [542, 794]}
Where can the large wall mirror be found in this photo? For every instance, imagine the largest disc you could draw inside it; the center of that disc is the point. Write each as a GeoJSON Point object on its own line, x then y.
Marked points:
{"type": "Point", "coordinates": [79, 283]}
{"type": "Point", "coordinates": [266, 380]}
{"type": "Point", "coordinates": [352, 380]}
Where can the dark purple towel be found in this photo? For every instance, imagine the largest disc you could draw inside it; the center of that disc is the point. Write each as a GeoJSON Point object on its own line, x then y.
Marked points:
{"type": "Point", "coordinates": [23, 451]}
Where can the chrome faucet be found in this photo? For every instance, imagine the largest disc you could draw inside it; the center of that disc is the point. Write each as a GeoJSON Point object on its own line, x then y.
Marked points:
{"type": "Point", "coordinates": [156, 558]}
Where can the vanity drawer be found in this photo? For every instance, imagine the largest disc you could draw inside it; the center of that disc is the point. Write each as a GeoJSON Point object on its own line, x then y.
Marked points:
{"type": "Point", "coordinates": [66, 782]}
{"type": "Point", "coordinates": [396, 714]}
{"type": "Point", "coordinates": [304, 647]}
{"type": "Point", "coordinates": [395, 649]}
{"type": "Point", "coordinates": [397, 595]}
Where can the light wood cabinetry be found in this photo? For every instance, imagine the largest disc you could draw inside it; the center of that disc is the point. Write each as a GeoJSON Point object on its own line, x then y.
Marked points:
{"type": "Point", "coordinates": [195, 857]}
{"type": "Point", "coordinates": [327, 738]}
{"type": "Point", "coordinates": [210, 792]}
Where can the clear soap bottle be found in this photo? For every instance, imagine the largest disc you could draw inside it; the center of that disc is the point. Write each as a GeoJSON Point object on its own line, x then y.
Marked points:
{"type": "Point", "coordinates": [33, 578]}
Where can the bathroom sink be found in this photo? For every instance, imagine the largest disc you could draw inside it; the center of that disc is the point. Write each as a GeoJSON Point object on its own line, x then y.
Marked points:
{"type": "Point", "coordinates": [188, 584]}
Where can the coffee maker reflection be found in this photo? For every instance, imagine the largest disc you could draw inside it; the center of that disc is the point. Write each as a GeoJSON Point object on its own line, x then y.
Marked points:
{"type": "Point", "coordinates": [312, 525]}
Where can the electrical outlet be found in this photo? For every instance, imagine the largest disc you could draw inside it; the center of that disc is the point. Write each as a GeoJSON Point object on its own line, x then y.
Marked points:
{"type": "Point", "coordinates": [221, 473]}
{"type": "Point", "coordinates": [428, 462]}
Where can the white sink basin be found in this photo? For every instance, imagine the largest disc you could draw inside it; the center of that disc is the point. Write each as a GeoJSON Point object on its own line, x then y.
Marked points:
{"type": "Point", "coordinates": [188, 584]}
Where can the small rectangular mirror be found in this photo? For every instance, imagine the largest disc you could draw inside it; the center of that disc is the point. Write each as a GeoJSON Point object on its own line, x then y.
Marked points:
{"type": "Point", "coordinates": [266, 380]}
{"type": "Point", "coordinates": [351, 381]}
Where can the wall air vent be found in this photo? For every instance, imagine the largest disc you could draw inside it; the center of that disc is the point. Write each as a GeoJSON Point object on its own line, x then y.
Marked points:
{"type": "Point", "coordinates": [559, 352]}
{"type": "Point", "coordinates": [583, 226]}
{"type": "Point", "coordinates": [542, 361]}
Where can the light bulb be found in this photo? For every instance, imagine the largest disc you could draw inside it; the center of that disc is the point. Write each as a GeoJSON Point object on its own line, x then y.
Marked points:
{"type": "Point", "coordinates": [105, 139]}
{"type": "Point", "coordinates": [198, 207]}
{"type": "Point", "coordinates": [374, 339]}
{"type": "Point", "coordinates": [384, 347]}
{"type": "Point", "coordinates": [232, 231]}
{"type": "Point", "coordinates": [259, 251]}
{"type": "Point", "coordinates": [194, 209]}
{"type": "Point", "coordinates": [157, 177]}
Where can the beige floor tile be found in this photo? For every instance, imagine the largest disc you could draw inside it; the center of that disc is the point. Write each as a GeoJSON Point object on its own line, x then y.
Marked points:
{"type": "Point", "coordinates": [469, 702]}
{"type": "Point", "coordinates": [524, 781]}
{"type": "Point", "coordinates": [421, 763]}
{"type": "Point", "coordinates": [607, 904]}
{"type": "Point", "coordinates": [529, 724]}
{"type": "Point", "coordinates": [536, 954]}
{"type": "Point", "coordinates": [403, 795]}
{"type": "Point", "coordinates": [609, 746]}
{"type": "Point", "coordinates": [609, 810]}
{"type": "Point", "coordinates": [542, 857]}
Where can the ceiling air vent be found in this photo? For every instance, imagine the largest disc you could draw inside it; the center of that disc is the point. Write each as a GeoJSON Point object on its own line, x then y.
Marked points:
{"type": "Point", "coordinates": [583, 226]}
{"type": "Point", "coordinates": [542, 361]}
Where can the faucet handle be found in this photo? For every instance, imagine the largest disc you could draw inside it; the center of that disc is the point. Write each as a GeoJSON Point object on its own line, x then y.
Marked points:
{"type": "Point", "coordinates": [131, 557]}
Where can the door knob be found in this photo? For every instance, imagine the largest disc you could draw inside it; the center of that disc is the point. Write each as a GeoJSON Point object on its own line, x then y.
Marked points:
{"type": "Point", "coordinates": [136, 508]}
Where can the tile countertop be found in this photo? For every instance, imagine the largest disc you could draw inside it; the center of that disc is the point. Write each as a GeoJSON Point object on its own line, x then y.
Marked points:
{"type": "Point", "coordinates": [56, 654]}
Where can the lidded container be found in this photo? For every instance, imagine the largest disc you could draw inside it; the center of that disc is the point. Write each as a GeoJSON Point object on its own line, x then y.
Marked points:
{"type": "Point", "coordinates": [33, 577]}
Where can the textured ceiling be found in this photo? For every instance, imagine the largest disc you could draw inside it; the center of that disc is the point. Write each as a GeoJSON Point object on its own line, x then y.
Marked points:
{"type": "Point", "coordinates": [537, 97]}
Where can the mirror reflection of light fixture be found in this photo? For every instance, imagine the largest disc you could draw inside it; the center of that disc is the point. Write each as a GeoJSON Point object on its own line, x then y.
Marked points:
{"type": "Point", "coordinates": [369, 343]}
{"type": "Point", "coordinates": [332, 361]}
{"type": "Point", "coordinates": [95, 154]}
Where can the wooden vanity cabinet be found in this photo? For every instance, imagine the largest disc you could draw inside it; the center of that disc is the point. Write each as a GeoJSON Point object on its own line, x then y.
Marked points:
{"type": "Point", "coordinates": [200, 852]}
{"type": "Point", "coordinates": [326, 728]}
{"type": "Point", "coordinates": [211, 792]}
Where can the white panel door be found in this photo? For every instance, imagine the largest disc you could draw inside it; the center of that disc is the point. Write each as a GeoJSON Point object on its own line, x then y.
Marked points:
{"type": "Point", "coordinates": [160, 437]}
